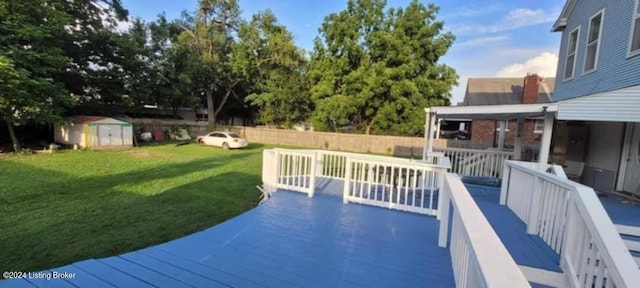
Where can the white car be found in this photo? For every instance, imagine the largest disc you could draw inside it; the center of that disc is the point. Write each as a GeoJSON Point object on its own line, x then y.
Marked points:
{"type": "Point", "coordinates": [226, 140]}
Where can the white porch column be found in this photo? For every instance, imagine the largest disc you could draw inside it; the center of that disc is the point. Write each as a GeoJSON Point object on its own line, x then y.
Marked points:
{"type": "Point", "coordinates": [426, 134]}
{"type": "Point", "coordinates": [432, 129]}
{"type": "Point", "coordinates": [517, 145]}
{"type": "Point", "coordinates": [502, 126]}
{"type": "Point", "coordinates": [545, 143]}
{"type": "Point", "coordinates": [438, 128]}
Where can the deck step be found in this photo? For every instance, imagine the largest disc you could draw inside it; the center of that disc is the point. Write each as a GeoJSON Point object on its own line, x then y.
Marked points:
{"type": "Point", "coordinates": [628, 230]}
{"type": "Point", "coordinates": [632, 245]}
{"type": "Point", "coordinates": [544, 277]}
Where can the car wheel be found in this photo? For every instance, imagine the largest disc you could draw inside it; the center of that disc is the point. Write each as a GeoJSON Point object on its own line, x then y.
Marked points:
{"type": "Point", "coordinates": [225, 146]}
{"type": "Point", "coordinates": [199, 141]}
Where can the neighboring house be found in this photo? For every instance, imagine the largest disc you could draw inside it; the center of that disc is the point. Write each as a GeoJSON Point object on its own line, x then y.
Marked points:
{"type": "Point", "coordinates": [598, 91]}
{"type": "Point", "coordinates": [506, 91]}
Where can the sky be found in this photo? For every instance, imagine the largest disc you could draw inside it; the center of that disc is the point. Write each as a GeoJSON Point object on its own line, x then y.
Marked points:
{"type": "Point", "coordinates": [498, 38]}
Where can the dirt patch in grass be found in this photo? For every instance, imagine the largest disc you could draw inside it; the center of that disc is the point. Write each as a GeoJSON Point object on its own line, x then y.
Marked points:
{"type": "Point", "coordinates": [145, 154]}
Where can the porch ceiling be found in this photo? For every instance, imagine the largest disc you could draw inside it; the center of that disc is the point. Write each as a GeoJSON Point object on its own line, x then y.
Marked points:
{"type": "Point", "coordinates": [493, 112]}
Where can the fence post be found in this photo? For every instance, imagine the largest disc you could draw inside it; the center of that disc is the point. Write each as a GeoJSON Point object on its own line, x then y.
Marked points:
{"type": "Point", "coordinates": [506, 179]}
{"type": "Point", "coordinates": [443, 209]}
{"type": "Point", "coordinates": [347, 181]}
{"type": "Point", "coordinates": [314, 166]}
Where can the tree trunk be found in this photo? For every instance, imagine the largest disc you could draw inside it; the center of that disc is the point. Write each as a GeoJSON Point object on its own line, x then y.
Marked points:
{"type": "Point", "coordinates": [14, 139]}
{"type": "Point", "coordinates": [368, 129]}
{"type": "Point", "coordinates": [211, 116]}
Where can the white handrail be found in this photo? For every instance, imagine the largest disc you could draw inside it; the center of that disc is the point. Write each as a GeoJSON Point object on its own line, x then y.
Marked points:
{"type": "Point", "coordinates": [570, 218]}
{"type": "Point", "coordinates": [482, 163]}
{"type": "Point", "coordinates": [478, 256]}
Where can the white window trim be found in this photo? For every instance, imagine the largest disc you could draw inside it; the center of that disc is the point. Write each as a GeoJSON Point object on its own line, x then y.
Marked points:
{"type": "Point", "coordinates": [634, 16]}
{"type": "Point", "coordinates": [575, 52]}
{"type": "Point", "coordinates": [535, 122]}
{"type": "Point", "coordinates": [598, 43]}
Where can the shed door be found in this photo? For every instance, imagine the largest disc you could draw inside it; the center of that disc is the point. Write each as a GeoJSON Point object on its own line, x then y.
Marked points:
{"type": "Point", "coordinates": [110, 135]}
{"type": "Point", "coordinates": [632, 173]}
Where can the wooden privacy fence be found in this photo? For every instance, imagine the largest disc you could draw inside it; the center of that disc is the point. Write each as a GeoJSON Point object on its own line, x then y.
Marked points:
{"type": "Point", "coordinates": [380, 144]}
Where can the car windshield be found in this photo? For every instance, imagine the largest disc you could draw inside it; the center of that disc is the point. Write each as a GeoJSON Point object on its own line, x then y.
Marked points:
{"type": "Point", "coordinates": [233, 135]}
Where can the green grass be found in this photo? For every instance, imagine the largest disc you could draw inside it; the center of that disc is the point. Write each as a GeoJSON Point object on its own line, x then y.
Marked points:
{"type": "Point", "coordinates": [60, 208]}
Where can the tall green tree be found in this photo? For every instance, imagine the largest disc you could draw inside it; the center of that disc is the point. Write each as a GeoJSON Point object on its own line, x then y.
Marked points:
{"type": "Point", "coordinates": [31, 58]}
{"type": "Point", "coordinates": [378, 69]}
{"type": "Point", "coordinates": [275, 69]}
{"type": "Point", "coordinates": [208, 37]}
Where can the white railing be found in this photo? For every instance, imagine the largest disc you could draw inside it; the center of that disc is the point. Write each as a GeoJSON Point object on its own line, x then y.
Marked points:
{"type": "Point", "coordinates": [482, 163]}
{"type": "Point", "coordinates": [478, 256]}
{"type": "Point", "coordinates": [570, 218]}
{"type": "Point", "coordinates": [402, 185]}
{"type": "Point", "coordinates": [296, 170]}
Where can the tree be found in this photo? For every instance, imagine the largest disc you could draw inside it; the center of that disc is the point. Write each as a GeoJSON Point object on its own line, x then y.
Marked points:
{"type": "Point", "coordinates": [378, 69]}
{"type": "Point", "coordinates": [208, 37]}
{"type": "Point", "coordinates": [30, 59]}
{"type": "Point", "coordinates": [268, 58]}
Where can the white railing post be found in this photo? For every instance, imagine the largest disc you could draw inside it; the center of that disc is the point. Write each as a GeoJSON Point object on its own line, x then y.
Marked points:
{"type": "Point", "coordinates": [506, 179]}
{"type": "Point", "coordinates": [443, 215]}
{"type": "Point", "coordinates": [314, 168]}
{"type": "Point", "coordinates": [536, 206]}
{"type": "Point", "coordinates": [347, 182]}
{"type": "Point", "coordinates": [441, 188]}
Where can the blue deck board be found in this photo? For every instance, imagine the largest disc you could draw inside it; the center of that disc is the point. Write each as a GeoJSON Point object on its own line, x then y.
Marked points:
{"type": "Point", "coordinates": [170, 270]}
{"type": "Point", "coordinates": [143, 273]}
{"type": "Point", "coordinates": [82, 278]}
{"type": "Point", "coordinates": [110, 275]}
{"type": "Point", "coordinates": [16, 283]}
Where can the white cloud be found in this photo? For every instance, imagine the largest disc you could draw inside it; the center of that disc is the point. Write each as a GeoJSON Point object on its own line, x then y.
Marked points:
{"type": "Point", "coordinates": [514, 19]}
{"type": "Point", "coordinates": [473, 10]}
{"type": "Point", "coordinates": [544, 65]}
{"type": "Point", "coordinates": [485, 41]}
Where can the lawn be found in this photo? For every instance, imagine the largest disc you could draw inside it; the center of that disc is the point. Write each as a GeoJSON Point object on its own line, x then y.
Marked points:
{"type": "Point", "coordinates": [60, 208]}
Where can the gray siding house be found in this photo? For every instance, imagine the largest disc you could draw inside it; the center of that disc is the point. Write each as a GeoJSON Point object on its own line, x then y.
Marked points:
{"type": "Point", "coordinates": [598, 91]}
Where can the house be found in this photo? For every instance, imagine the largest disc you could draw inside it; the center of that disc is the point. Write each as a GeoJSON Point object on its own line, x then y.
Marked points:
{"type": "Point", "coordinates": [503, 91]}
{"type": "Point", "coordinates": [598, 91]}
{"type": "Point", "coordinates": [94, 132]}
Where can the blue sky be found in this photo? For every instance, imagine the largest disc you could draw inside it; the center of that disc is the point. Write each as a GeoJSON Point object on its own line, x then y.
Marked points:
{"type": "Point", "coordinates": [493, 38]}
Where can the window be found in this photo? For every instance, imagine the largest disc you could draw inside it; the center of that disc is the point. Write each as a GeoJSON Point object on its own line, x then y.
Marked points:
{"type": "Point", "coordinates": [593, 42]}
{"type": "Point", "coordinates": [506, 125]}
{"type": "Point", "coordinates": [538, 126]}
{"type": "Point", "coordinates": [634, 46]}
{"type": "Point", "coordinates": [572, 48]}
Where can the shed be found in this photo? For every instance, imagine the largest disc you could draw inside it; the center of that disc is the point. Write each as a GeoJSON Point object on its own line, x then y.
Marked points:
{"type": "Point", "coordinates": [95, 132]}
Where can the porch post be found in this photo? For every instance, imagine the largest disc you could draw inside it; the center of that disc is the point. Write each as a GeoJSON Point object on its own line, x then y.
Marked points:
{"type": "Point", "coordinates": [545, 143]}
{"type": "Point", "coordinates": [517, 145]}
{"type": "Point", "coordinates": [438, 128]}
{"type": "Point", "coordinates": [502, 126]}
{"type": "Point", "coordinates": [432, 125]}
{"type": "Point", "coordinates": [426, 134]}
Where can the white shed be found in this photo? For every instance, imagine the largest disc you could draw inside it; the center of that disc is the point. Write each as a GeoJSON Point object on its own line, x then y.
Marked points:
{"type": "Point", "coordinates": [95, 132]}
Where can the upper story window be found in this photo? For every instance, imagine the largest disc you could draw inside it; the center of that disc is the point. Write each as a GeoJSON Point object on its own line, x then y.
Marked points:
{"type": "Point", "coordinates": [593, 42]}
{"type": "Point", "coordinates": [634, 47]}
{"type": "Point", "coordinates": [572, 49]}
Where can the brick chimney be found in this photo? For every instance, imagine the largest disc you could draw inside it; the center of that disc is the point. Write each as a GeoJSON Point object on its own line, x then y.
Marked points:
{"type": "Point", "coordinates": [530, 88]}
